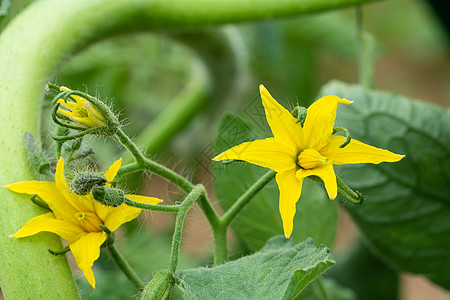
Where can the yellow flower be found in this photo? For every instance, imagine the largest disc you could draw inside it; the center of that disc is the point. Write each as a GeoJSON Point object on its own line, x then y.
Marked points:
{"type": "Point", "coordinates": [77, 218]}
{"type": "Point", "coordinates": [82, 112]}
{"type": "Point", "coordinates": [296, 152]}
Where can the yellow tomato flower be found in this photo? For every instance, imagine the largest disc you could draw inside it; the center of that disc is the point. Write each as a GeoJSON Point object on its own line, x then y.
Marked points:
{"type": "Point", "coordinates": [82, 112]}
{"type": "Point", "coordinates": [77, 218]}
{"type": "Point", "coordinates": [296, 152]}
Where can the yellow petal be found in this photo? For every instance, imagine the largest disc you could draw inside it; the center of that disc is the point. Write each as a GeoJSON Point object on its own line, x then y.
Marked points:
{"type": "Point", "coordinates": [86, 250]}
{"type": "Point", "coordinates": [144, 199]}
{"type": "Point", "coordinates": [324, 172]}
{"type": "Point", "coordinates": [68, 104]}
{"type": "Point", "coordinates": [65, 112]}
{"type": "Point", "coordinates": [94, 113]}
{"type": "Point", "coordinates": [267, 153]}
{"type": "Point", "coordinates": [48, 191]}
{"type": "Point", "coordinates": [48, 222]}
{"type": "Point", "coordinates": [79, 203]}
{"type": "Point", "coordinates": [100, 210]}
{"type": "Point", "coordinates": [356, 152]}
{"type": "Point", "coordinates": [290, 189]}
{"type": "Point", "coordinates": [113, 169]}
{"type": "Point", "coordinates": [85, 121]}
{"type": "Point", "coordinates": [119, 215]}
{"type": "Point", "coordinates": [319, 121]}
{"type": "Point", "coordinates": [282, 123]}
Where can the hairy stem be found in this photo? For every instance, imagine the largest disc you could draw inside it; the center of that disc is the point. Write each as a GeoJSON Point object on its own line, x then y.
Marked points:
{"type": "Point", "coordinates": [196, 192]}
{"type": "Point", "coordinates": [123, 265]}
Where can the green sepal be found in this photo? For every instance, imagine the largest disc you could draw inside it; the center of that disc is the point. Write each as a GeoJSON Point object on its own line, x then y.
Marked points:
{"type": "Point", "coordinates": [82, 184]}
{"type": "Point", "coordinates": [108, 196]}
{"type": "Point", "coordinates": [159, 287]}
{"type": "Point", "coordinates": [36, 156]}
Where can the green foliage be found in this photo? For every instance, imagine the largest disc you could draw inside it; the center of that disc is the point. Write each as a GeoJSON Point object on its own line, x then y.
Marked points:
{"type": "Point", "coordinates": [405, 217]}
{"type": "Point", "coordinates": [327, 289]}
{"type": "Point", "coordinates": [351, 271]}
{"type": "Point", "coordinates": [316, 214]}
{"type": "Point", "coordinates": [280, 270]}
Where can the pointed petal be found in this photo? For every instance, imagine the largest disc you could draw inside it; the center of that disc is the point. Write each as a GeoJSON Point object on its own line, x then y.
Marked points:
{"type": "Point", "coordinates": [83, 121]}
{"type": "Point", "coordinates": [79, 203]}
{"type": "Point", "coordinates": [320, 119]}
{"type": "Point", "coordinates": [266, 153]}
{"type": "Point", "coordinates": [326, 173]}
{"type": "Point", "coordinates": [282, 123]}
{"type": "Point", "coordinates": [144, 199]}
{"type": "Point", "coordinates": [48, 191]}
{"type": "Point", "coordinates": [119, 215]}
{"type": "Point", "coordinates": [113, 169]}
{"type": "Point", "coordinates": [86, 250]}
{"type": "Point", "coordinates": [290, 189]}
{"type": "Point", "coordinates": [48, 222]}
{"type": "Point", "coordinates": [68, 104]}
{"type": "Point", "coordinates": [100, 210]}
{"type": "Point", "coordinates": [65, 112]}
{"type": "Point", "coordinates": [356, 152]}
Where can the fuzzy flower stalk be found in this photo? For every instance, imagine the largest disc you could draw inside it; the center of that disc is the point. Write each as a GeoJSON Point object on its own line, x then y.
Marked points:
{"type": "Point", "coordinates": [297, 151]}
{"type": "Point", "coordinates": [77, 218]}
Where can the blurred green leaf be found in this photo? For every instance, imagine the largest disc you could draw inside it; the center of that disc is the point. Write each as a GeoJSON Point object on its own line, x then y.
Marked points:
{"type": "Point", "coordinates": [316, 214]}
{"type": "Point", "coordinates": [407, 212]}
{"type": "Point", "coordinates": [280, 270]}
{"type": "Point", "coordinates": [351, 271]}
{"type": "Point", "coordinates": [326, 289]}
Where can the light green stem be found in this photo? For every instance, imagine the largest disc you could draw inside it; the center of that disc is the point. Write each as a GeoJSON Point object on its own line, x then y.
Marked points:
{"type": "Point", "coordinates": [366, 49]}
{"type": "Point", "coordinates": [178, 113]}
{"type": "Point", "coordinates": [246, 197]}
{"type": "Point", "coordinates": [125, 267]}
{"type": "Point", "coordinates": [196, 192]}
{"type": "Point", "coordinates": [32, 48]}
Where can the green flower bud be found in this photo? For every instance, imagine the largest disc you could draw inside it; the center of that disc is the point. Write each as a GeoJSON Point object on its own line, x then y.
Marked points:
{"type": "Point", "coordinates": [299, 113]}
{"type": "Point", "coordinates": [108, 196]}
{"type": "Point", "coordinates": [159, 287]}
{"type": "Point", "coordinates": [84, 183]}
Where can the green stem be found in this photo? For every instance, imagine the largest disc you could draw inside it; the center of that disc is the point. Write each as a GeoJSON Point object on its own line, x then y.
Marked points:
{"type": "Point", "coordinates": [246, 197]}
{"type": "Point", "coordinates": [321, 292]}
{"type": "Point", "coordinates": [178, 113]}
{"type": "Point", "coordinates": [163, 208]}
{"type": "Point", "coordinates": [366, 45]}
{"type": "Point", "coordinates": [195, 194]}
{"type": "Point", "coordinates": [220, 244]}
{"type": "Point", "coordinates": [123, 265]}
{"type": "Point", "coordinates": [130, 146]}
{"type": "Point", "coordinates": [151, 165]}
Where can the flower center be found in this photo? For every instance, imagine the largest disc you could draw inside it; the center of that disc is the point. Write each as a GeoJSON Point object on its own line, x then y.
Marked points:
{"type": "Point", "coordinates": [89, 221]}
{"type": "Point", "coordinates": [81, 111]}
{"type": "Point", "coordinates": [310, 159]}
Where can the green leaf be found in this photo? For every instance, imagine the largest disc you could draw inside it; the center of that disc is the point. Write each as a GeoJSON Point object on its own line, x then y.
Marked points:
{"type": "Point", "coordinates": [407, 212]}
{"type": "Point", "coordinates": [316, 215]}
{"type": "Point", "coordinates": [280, 270]}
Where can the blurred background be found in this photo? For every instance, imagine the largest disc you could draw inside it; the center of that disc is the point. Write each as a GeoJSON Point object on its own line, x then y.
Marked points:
{"type": "Point", "coordinates": [141, 74]}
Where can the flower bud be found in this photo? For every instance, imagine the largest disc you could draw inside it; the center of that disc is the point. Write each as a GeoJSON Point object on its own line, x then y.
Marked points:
{"type": "Point", "coordinates": [108, 196]}
{"type": "Point", "coordinates": [159, 287]}
{"type": "Point", "coordinates": [82, 184]}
